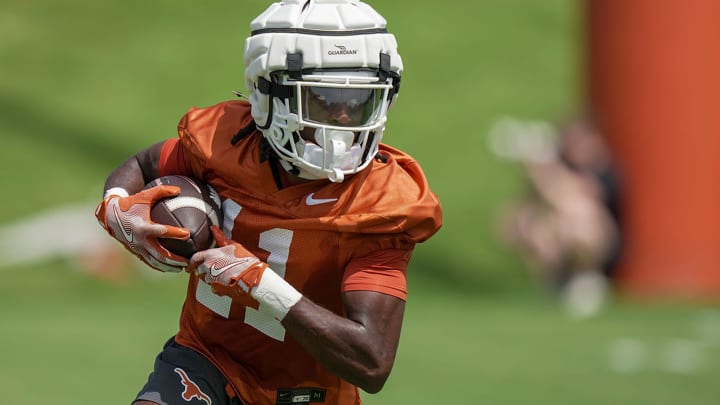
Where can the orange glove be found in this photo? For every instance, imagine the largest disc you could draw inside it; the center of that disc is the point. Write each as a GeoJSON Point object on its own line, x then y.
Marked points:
{"type": "Point", "coordinates": [228, 265]}
{"type": "Point", "coordinates": [127, 219]}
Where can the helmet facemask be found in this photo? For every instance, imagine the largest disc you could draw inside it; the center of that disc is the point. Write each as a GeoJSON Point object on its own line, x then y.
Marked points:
{"type": "Point", "coordinates": [330, 123]}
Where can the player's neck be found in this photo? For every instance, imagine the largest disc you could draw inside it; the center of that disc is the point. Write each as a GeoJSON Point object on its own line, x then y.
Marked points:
{"type": "Point", "coordinates": [288, 179]}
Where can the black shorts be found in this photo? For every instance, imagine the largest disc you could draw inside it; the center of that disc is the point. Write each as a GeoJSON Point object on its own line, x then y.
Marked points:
{"type": "Point", "coordinates": [182, 376]}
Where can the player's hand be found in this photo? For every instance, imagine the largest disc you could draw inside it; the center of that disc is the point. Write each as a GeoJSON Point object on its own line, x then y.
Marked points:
{"type": "Point", "coordinates": [127, 219]}
{"type": "Point", "coordinates": [227, 267]}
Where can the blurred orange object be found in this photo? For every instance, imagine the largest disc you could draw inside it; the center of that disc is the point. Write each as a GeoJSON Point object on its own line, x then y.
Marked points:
{"type": "Point", "coordinates": [653, 86]}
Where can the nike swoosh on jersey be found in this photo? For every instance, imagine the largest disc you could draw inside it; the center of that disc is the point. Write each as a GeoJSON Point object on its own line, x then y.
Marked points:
{"type": "Point", "coordinates": [311, 200]}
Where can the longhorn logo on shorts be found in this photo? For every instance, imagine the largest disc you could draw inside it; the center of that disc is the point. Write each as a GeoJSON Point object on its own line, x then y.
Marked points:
{"type": "Point", "coordinates": [191, 389]}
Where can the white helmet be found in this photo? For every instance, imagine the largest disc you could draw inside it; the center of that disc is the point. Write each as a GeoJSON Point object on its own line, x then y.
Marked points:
{"type": "Point", "coordinates": [327, 66]}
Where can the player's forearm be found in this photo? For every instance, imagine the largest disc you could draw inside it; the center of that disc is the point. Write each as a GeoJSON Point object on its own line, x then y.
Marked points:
{"type": "Point", "coordinates": [127, 176]}
{"type": "Point", "coordinates": [133, 174]}
{"type": "Point", "coordinates": [359, 347]}
{"type": "Point", "coordinates": [353, 351]}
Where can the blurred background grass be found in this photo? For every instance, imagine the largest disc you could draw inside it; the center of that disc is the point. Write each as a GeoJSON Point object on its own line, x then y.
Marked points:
{"type": "Point", "coordinates": [85, 84]}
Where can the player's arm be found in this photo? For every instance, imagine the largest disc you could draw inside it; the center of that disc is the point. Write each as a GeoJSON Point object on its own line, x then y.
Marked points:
{"type": "Point", "coordinates": [359, 348]}
{"type": "Point", "coordinates": [136, 171]}
{"type": "Point", "coordinates": [124, 211]}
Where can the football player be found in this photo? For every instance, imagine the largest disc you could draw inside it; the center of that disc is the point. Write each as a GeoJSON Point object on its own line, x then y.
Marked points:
{"type": "Point", "coordinates": [302, 300]}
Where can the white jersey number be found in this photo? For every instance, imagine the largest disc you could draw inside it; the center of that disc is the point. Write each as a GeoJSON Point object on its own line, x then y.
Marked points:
{"type": "Point", "coordinates": [277, 242]}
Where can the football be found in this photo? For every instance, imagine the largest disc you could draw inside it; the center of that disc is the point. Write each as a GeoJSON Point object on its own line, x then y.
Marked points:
{"type": "Point", "coordinates": [196, 208]}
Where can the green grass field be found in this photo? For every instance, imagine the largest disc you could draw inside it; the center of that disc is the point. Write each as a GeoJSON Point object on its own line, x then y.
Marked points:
{"type": "Point", "coordinates": [84, 84]}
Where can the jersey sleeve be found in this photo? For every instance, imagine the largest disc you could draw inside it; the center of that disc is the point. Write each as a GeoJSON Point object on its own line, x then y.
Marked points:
{"type": "Point", "coordinates": [382, 271]}
{"type": "Point", "coordinates": [172, 159]}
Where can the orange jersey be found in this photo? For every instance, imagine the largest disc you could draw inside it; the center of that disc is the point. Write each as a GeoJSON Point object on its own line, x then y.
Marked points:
{"type": "Point", "coordinates": [323, 238]}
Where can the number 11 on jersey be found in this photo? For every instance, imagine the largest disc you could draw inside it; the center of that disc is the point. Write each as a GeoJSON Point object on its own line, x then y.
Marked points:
{"type": "Point", "coordinates": [275, 241]}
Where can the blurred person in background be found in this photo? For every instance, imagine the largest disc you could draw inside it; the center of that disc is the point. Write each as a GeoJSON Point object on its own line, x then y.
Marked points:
{"type": "Point", "coordinates": [303, 299]}
{"type": "Point", "coordinates": [568, 227]}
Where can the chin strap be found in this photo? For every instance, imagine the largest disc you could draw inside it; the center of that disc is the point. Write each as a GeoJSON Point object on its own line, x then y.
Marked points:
{"type": "Point", "coordinates": [337, 176]}
{"type": "Point", "coordinates": [291, 168]}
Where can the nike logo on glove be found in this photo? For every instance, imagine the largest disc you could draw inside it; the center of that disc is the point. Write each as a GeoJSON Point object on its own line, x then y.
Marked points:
{"type": "Point", "coordinates": [311, 200]}
{"type": "Point", "coordinates": [217, 268]}
{"type": "Point", "coordinates": [126, 233]}
{"type": "Point", "coordinates": [216, 271]}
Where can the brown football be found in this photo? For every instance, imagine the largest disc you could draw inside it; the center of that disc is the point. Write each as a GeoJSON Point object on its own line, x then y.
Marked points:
{"type": "Point", "coordinates": [196, 208]}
